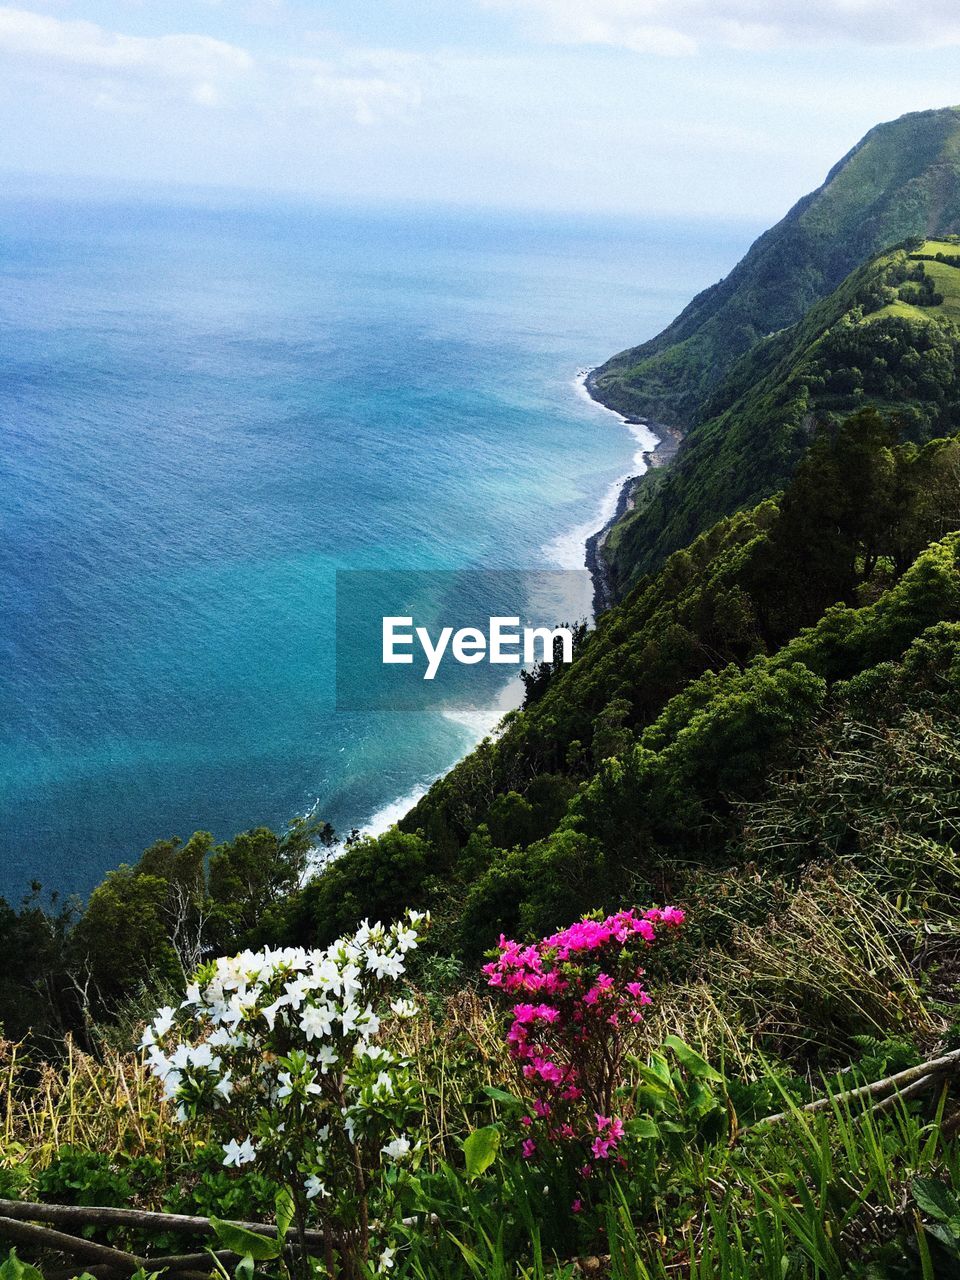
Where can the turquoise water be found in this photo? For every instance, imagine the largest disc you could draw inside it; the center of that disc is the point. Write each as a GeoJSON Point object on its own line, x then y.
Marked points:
{"type": "Point", "coordinates": [204, 413]}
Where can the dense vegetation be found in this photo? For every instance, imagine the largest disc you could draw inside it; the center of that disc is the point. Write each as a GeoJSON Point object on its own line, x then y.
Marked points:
{"type": "Point", "coordinates": [885, 337]}
{"type": "Point", "coordinates": [764, 731]}
{"type": "Point", "coordinates": [901, 180]}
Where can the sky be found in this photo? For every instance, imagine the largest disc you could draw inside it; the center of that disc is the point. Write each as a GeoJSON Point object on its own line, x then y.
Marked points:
{"type": "Point", "coordinates": [726, 108]}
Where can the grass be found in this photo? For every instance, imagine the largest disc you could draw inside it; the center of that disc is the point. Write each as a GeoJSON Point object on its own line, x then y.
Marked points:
{"type": "Point", "coordinates": [946, 279]}
{"type": "Point", "coordinates": [107, 1104]}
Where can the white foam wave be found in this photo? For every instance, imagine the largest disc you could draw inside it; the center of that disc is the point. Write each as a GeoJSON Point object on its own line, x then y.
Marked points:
{"type": "Point", "coordinates": [569, 550]}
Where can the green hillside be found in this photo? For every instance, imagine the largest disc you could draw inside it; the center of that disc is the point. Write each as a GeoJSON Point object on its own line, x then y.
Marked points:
{"type": "Point", "coordinates": [685, 700]}
{"type": "Point", "coordinates": [902, 179]}
{"type": "Point", "coordinates": [886, 336]}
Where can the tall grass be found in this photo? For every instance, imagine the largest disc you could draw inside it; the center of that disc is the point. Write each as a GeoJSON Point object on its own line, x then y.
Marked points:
{"type": "Point", "coordinates": [108, 1104]}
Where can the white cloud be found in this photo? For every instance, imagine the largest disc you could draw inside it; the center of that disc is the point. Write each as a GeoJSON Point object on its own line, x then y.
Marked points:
{"type": "Point", "coordinates": [121, 73]}
{"type": "Point", "coordinates": [80, 44]}
{"type": "Point", "coordinates": [682, 27]}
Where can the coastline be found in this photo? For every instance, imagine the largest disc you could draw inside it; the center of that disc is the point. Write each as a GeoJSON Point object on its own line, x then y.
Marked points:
{"type": "Point", "coordinates": [668, 441]}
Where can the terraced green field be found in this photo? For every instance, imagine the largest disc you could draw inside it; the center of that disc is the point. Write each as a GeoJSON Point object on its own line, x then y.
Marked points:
{"type": "Point", "coordinates": [946, 280]}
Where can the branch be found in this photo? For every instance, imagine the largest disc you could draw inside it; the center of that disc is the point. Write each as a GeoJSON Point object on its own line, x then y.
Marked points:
{"type": "Point", "coordinates": [73, 1246]}
{"type": "Point", "coordinates": [94, 1216]}
{"type": "Point", "coordinates": [926, 1073]}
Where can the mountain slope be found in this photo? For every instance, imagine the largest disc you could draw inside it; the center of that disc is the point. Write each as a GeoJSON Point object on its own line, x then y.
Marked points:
{"type": "Point", "coordinates": [902, 179]}
{"type": "Point", "coordinates": [634, 759]}
{"type": "Point", "coordinates": [887, 336]}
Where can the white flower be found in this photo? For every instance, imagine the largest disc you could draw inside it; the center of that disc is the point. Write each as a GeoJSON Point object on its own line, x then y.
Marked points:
{"type": "Point", "coordinates": [375, 1052]}
{"type": "Point", "coordinates": [238, 1153]}
{"type": "Point", "coordinates": [193, 996]}
{"type": "Point", "coordinates": [225, 1086]}
{"type": "Point", "coordinates": [349, 1018]}
{"type": "Point", "coordinates": [384, 964]}
{"type": "Point", "coordinates": [314, 1187]}
{"type": "Point", "coordinates": [368, 1021]}
{"type": "Point", "coordinates": [349, 984]}
{"type": "Point", "coordinates": [326, 1058]}
{"type": "Point", "coordinates": [157, 1063]}
{"type": "Point", "coordinates": [406, 939]}
{"type": "Point", "coordinates": [180, 1058]}
{"type": "Point", "coordinates": [270, 1011]}
{"type": "Point", "coordinates": [163, 1022]}
{"type": "Point", "coordinates": [202, 1056]}
{"type": "Point", "coordinates": [171, 1083]}
{"type": "Point", "coordinates": [386, 1259]}
{"type": "Point", "coordinates": [317, 1021]}
{"type": "Point", "coordinates": [383, 1084]}
{"type": "Point", "coordinates": [397, 1149]}
{"type": "Point", "coordinates": [404, 1008]}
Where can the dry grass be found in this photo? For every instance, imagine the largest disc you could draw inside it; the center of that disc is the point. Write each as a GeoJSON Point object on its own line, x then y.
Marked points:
{"type": "Point", "coordinates": [106, 1104]}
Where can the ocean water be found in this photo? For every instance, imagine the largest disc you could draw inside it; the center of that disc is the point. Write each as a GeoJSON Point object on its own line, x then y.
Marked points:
{"type": "Point", "coordinates": [204, 412]}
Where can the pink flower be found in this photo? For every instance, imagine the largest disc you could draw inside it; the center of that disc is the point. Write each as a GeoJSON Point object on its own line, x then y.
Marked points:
{"type": "Point", "coordinates": [577, 1206]}
{"type": "Point", "coordinates": [528, 1148]}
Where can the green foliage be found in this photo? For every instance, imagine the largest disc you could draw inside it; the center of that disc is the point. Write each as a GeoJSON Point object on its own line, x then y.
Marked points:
{"type": "Point", "coordinates": [899, 181]}
{"type": "Point", "coordinates": [848, 352]}
{"type": "Point", "coordinates": [14, 1269]}
{"type": "Point", "coordinates": [480, 1150]}
{"type": "Point", "coordinates": [78, 1176]}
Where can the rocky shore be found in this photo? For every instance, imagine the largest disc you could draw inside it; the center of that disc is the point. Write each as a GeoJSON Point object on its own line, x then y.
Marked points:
{"type": "Point", "coordinates": [670, 439]}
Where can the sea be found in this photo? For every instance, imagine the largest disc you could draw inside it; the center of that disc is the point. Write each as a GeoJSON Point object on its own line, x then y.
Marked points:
{"type": "Point", "coordinates": [209, 405]}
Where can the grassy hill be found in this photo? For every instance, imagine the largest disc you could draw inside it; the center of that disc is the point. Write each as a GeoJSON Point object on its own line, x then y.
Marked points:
{"type": "Point", "coordinates": [902, 179]}
{"type": "Point", "coordinates": [886, 336]}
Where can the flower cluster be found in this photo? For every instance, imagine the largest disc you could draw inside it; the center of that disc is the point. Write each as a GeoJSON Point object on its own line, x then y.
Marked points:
{"type": "Point", "coordinates": [281, 1054]}
{"type": "Point", "coordinates": [576, 999]}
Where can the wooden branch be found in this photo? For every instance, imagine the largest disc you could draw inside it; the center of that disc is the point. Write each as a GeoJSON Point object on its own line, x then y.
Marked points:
{"type": "Point", "coordinates": [909, 1091]}
{"type": "Point", "coordinates": [103, 1216]}
{"type": "Point", "coordinates": [72, 1246]}
{"type": "Point", "coordinates": [927, 1072]}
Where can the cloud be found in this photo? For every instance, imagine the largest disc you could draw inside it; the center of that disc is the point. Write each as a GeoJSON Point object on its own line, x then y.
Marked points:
{"type": "Point", "coordinates": [675, 28]}
{"type": "Point", "coordinates": [121, 73]}
{"type": "Point", "coordinates": [84, 45]}
{"type": "Point", "coordinates": [369, 99]}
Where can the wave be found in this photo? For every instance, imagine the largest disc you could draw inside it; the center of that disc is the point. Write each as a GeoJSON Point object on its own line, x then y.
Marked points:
{"type": "Point", "coordinates": [569, 549]}
{"type": "Point", "coordinates": [566, 551]}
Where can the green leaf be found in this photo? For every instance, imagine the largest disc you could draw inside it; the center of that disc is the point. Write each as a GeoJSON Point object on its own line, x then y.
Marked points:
{"type": "Point", "coordinates": [945, 1235]}
{"type": "Point", "coordinates": [691, 1061]}
{"type": "Point", "coordinates": [246, 1243]}
{"type": "Point", "coordinates": [700, 1101]}
{"type": "Point", "coordinates": [501, 1095]}
{"type": "Point", "coordinates": [643, 1127]}
{"type": "Point", "coordinates": [480, 1150]}
{"type": "Point", "coordinates": [244, 1268]}
{"type": "Point", "coordinates": [933, 1197]}
{"type": "Point", "coordinates": [657, 1070]}
{"type": "Point", "coordinates": [284, 1209]}
{"type": "Point", "coordinates": [14, 1269]}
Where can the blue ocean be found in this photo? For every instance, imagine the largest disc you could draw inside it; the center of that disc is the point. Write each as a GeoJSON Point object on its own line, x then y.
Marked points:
{"type": "Point", "coordinates": [205, 411]}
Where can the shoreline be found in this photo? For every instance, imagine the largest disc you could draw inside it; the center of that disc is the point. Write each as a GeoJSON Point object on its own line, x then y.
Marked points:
{"type": "Point", "coordinates": [668, 441]}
